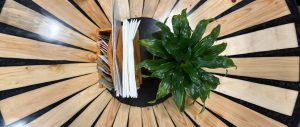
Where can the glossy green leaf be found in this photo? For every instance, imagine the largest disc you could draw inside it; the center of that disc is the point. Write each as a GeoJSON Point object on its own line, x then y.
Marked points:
{"type": "Point", "coordinates": [218, 62]}
{"type": "Point", "coordinates": [178, 94]}
{"type": "Point", "coordinates": [215, 50]}
{"type": "Point", "coordinates": [151, 64]}
{"type": "Point", "coordinates": [155, 47]}
{"type": "Point", "coordinates": [199, 31]}
{"type": "Point", "coordinates": [161, 70]}
{"type": "Point", "coordinates": [163, 89]}
{"type": "Point", "coordinates": [181, 25]}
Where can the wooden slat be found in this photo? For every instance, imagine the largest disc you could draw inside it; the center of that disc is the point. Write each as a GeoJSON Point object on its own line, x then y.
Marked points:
{"type": "Point", "coordinates": [106, 6]}
{"type": "Point", "coordinates": [205, 119]}
{"type": "Point", "coordinates": [20, 76]}
{"type": "Point", "coordinates": [179, 118]}
{"type": "Point", "coordinates": [149, 8]}
{"type": "Point", "coordinates": [274, 98]}
{"type": "Point", "coordinates": [278, 68]}
{"type": "Point", "coordinates": [135, 117]}
{"type": "Point", "coordinates": [162, 117]}
{"type": "Point", "coordinates": [124, 11]}
{"type": "Point", "coordinates": [17, 15]}
{"type": "Point", "coordinates": [91, 8]}
{"type": "Point", "coordinates": [163, 9]}
{"type": "Point", "coordinates": [148, 117]}
{"type": "Point", "coordinates": [183, 4]}
{"type": "Point", "coordinates": [122, 116]}
{"type": "Point", "coordinates": [18, 47]}
{"type": "Point", "coordinates": [237, 114]}
{"type": "Point", "coordinates": [66, 12]}
{"type": "Point", "coordinates": [63, 112]}
{"type": "Point", "coordinates": [108, 116]}
{"type": "Point", "coordinates": [257, 12]}
{"type": "Point", "coordinates": [210, 9]}
{"type": "Point", "coordinates": [136, 8]}
{"type": "Point", "coordinates": [17, 107]}
{"type": "Point", "coordinates": [90, 114]}
{"type": "Point", "coordinates": [279, 37]}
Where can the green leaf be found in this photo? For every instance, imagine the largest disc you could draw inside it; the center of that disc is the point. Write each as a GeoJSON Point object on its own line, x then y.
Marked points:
{"type": "Point", "coordinates": [192, 72]}
{"type": "Point", "coordinates": [151, 65]}
{"type": "Point", "coordinates": [199, 31]}
{"type": "Point", "coordinates": [181, 25]}
{"type": "Point", "coordinates": [218, 62]}
{"type": "Point", "coordinates": [210, 79]}
{"type": "Point", "coordinates": [163, 89]}
{"type": "Point", "coordinates": [193, 90]}
{"type": "Point", "coordinates": [162, 70]}
{"type": "Point", "coordinates": [178, 95]}
{"type": "Point", "coordinates": [204, 91]}
{"type": "Point", "coordinates": [155, 47]}
{"type": "Point", "coordinates": [158, 35]}
{"type": "Point", "coordinates": [215, 50]}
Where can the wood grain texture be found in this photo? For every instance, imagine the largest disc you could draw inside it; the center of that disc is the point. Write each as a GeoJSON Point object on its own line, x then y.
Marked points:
{"type": "Point", "coordinates": [63, 112]}
{"type": "Point", "coordinates": [66, 12]}
{"type": "Point", "coordinates": [90, 114]}
{"type": "Point", "coordinates": [179, 118]}
{"type": "Point", "coordinates": [163, 9]}
{"type": "Point", "coordinates": [18, 47]}
{"type": "Point", "coordinates": [106, 6]}
{"type": "Point", "coordinates": [278, 68]}
{"type": "Point", "coordinates": [91, 8]}
{"type": "Point", "coordinates": [274, 38]}
{"type": "Point", "coordinates": [257, 12]}
{"type": "Point", "coordinates": [162, 117]}
{"type": "Point", "coordinates": [237, 114]}
{"type": "Point", "coordinates": [136, 8]}
{"type": "Point", "coordinates": [150, 8]}
{"type": "Point", "coordinates": [205, 119]}
{"type": "Point", "coordinates": [183, 4]}
{"type": "Point", "coordinates": [122, 116]}
{"type": "Point", "coordinates": [19, 16]}
{"type": "Point", "coordinates": [108, 116]}
{"type": "Point", "coordinates": [210, 9]}
{"type": "Point", "coordinates": [148, 117]}
{"type": "Point", "coordinates": [35, 100]}
{"type": "Point", "coordinates": [124, 11]}
{"type": "Point", "coordinates": [21, 76]}
{"type": "Point", "coordinates": [274, 98]}
{"type": "Point", "coordinates": [135, 117]}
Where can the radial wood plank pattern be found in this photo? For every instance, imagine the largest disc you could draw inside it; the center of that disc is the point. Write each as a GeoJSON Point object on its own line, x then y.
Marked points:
{"type": "Point", "coordinates": [135, 117]}
{"type": "Point", "coordinates": [90, 114]}
{"type": "Point", "coordinates": [278, 68]}
{"type": "Point", "coordinates": [122, 116]}
{"type": "Point", "coordinates": [35, 100]}
{"type": "Point", "coordinates": [279, 37]}
{"type": "Point", "coordinates": [150, 8]}
{"type": "Point", "coordinates": [205, 119]}
{"type": "Point", "coordinates": [183, 4]}
{"type": "Point", "coordinates": [91, 8]}
{"type": "Point", "coordinates": [106, 5]}
{"type": "Point", "coordinates": [257, 12]}
{"type": "Point", "coordinates": [18, 47]}
{"type": "Point", "coordinates": [108, 116]}
{"type": "Point", "coordinates": [162, 117]}
{"type": "Point", "coordinates": [237, 114]}
{"type": "Point", "coordinates": [60, 114]}
{"type": "Point", "coordinates": [21, 76]}
{"type": "Point", "coordinates": [210, 9]}
{"type": "Point", "coordinates": [136, 8]}
{"type": "Point", "coordinates": [163, 9]}
{"type": "Point", "coordinates": [123, 9]}
{"type": "Point", "coordinates": [148, 117]}
{"type": "Point", "coordinates": [274, 98]}
{"type": "Point", "coordinates": [66, 12]}
{"type": "Point", "coordinates": [17, 15]}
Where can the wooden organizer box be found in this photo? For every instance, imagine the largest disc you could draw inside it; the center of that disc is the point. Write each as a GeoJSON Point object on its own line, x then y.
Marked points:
{"type": "Point", "coordinates": [138, 73]}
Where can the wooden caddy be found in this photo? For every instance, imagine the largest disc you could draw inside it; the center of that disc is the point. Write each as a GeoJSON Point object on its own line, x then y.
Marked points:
{"type": "Point", "coordinates": [138, 73]}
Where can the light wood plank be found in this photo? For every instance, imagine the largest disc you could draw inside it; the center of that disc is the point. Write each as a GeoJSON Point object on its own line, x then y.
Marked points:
{"type": "Point", "coordinates": [148, 117]}
{"type": "Point", "coordinates": [278, 68]}
{"type": "Point", "coordinates": [274, 98]}
{"type": "Point", "coordinates": [279, 37]}
{"type": "Point", "coordinates": [135, 117]}
{"type": "Point", "coordinates": [124, 11]}
{"type": "Point", "coordinates": [210, 9]}
{"type": "Point", "coordinates": [89, 115]}
{"type": "Point", "coordinates": [21, 76]}
{"type": "Point", "coordinates": [163, 9]}
{"type": "Point", "coordinates": [136, 8]}
{"type": "Point", "coordinates": [106, 6]}
{"type": "Point", "coordinates": [91, 8]}
{"type": "Point", "coordinates": [237, 114]}
{"type": "Point", "coordinates": [150, 8]}
{"type": "Point", "coordinates": [183, 4]}
{"type": "Point", "coordinates": [257, 12]}
{"type": "Point", "coordinates": [18, 47]}
{"type": "Point", "coordinates": [179, 118]}
{"type": "Point", "coordinates": [35, 100]}
{"type": "Point", "coordinates": [205, 119]}
{"type": "Point", "coordinates": [66, 12]}
{"type": "Point", "coordinates": [122, 116]}
{"type": "Point", "coordinates": [17, 15]}
{"type": "Point", "coordinates": [108, 116]}
{"type": "Point", "coordinates": [162, 116]}
{"type": "Point", "coordinates": [60, 114]}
